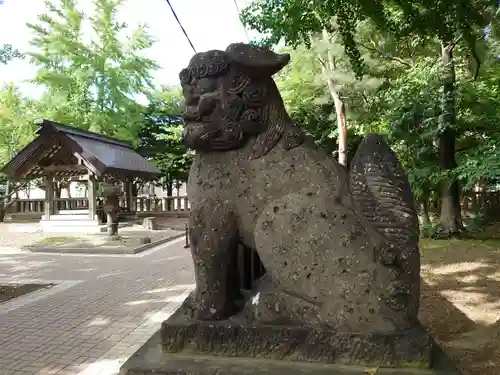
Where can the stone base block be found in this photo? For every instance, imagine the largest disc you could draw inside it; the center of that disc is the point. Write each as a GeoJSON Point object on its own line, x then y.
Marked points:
{"type": "Point", "coordinates": [151, 359]}
{"type": "Point", "coordinates": [150, 223]}
{"type": "Point", "coordinates": [239, 338]}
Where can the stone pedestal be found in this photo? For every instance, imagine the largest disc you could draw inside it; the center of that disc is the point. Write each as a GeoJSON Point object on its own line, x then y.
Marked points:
{"type": "Point", "coordinates": [236, 337]}
{"type": "Point", "coordinates": [111, 208]}
{"type": "Point", "coordinates": [340, 248]}
{"type": "Point", "coordinates": [235, 346]}
{"type": "Point", "coordinates": [150, 223]}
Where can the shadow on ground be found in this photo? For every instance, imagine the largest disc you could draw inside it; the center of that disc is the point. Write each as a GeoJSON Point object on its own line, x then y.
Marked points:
{"type": "Point", "coordinates": [460, 304]}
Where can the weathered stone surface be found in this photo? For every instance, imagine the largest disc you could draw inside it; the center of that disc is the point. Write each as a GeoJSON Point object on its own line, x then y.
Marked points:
{"type": "Point", "coordinates": [144, 240]}
{"type": "Point", "coordinates": [236, 337]}
{"type": "Point", "coordinates": [340, 247]}
{"type": "Point", "coordinates": [111, 207]}
{"type": "Point", "coordinates": [150, 223]}
{"type": "Point", "coordinates": [152, 360]}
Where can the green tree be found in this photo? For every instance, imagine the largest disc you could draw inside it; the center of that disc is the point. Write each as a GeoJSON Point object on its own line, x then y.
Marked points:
{"type": "Point", "coordinates": [92, 84]}
{"type": "Point", "coordinates": [16, 122]}
{"type": "Point", "coordinates": [16, 129]}
{"type": "Point", "coordinates": [450, 22]}
{"type": "Point", "coordinates": [160, 138]}
{"type": "Point", "coordinates": [307, 93]}
{"type": "Point", "coordinates": [8, 53]}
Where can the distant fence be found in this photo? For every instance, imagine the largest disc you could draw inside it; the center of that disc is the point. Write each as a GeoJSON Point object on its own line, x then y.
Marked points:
{"type": "Point", "coordinates": [167, 205]}
{"type": "Point", "coordinates": [486, 201]}
{"type": "Point", "coordinates": [179, 205]}
{"type": "Point", "coordinates": [143, 206]}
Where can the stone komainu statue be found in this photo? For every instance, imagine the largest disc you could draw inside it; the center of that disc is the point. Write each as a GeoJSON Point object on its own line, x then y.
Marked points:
{"type": "Point", "coordinates": [340, 247]}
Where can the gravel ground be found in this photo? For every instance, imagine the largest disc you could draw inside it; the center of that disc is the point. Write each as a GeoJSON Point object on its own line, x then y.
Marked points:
{"type": "Point", "coordinates": [15, 236]}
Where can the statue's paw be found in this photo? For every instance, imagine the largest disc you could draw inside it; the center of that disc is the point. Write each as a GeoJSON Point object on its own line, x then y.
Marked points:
{"type": "Point", "coordinates": [267, 304]}
{"type": "Point", "coordinates": [208, 312]}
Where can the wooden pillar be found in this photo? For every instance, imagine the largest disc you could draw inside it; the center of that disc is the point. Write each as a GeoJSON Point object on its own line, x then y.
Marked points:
{"type": "Point", "coordinates": [49, 195]}
{"type": "Point", "coordinates": [92, 196]}
{"type": "Point", "coordinates": [128, 195]}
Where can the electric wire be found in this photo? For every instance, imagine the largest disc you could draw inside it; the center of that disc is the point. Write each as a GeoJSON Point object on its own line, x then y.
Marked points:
{"type": "Point", "coordinates": [244, 28]}
{"type": "Point", "coordinates": [180, 25]}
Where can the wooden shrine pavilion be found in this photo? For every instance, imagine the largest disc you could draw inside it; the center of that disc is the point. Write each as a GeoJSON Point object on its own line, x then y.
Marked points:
{"type": "Point", "coordinates": [61, 151]}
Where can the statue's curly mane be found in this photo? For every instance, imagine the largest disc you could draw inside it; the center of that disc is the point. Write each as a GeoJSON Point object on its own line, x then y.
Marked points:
{"type": "Point", "coordinates": [250, 105]}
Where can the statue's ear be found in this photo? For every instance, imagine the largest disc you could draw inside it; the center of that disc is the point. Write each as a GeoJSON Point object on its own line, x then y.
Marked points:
{"type": "Point", "coordinates": [257, 60]}
{"type": "Point", "coordinates": [260, 62]}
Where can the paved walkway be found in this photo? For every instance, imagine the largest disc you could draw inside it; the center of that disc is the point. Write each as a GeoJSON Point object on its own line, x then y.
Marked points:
{"type": "Point", "coordinates": [102, 309]}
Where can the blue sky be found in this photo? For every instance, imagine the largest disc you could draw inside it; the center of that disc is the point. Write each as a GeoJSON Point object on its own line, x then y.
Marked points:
{"type": "Point", "coordinates": [210, 24]}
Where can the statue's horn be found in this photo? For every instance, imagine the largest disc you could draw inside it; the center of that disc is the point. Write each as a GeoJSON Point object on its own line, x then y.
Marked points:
{"type": "Point", "coordinates": [257, 60]}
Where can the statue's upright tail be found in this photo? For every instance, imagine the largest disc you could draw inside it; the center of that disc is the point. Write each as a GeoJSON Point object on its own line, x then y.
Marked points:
{"type": "Point", "coordinates": [383, 200]}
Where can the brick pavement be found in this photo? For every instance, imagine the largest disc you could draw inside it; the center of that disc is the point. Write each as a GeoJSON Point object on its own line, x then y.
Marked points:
{"type": "Point", "coordinates": [103, 308]}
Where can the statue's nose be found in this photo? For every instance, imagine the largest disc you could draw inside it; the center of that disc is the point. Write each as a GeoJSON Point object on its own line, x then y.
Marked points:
{"type": "Point", "coordinates": [190, 97]}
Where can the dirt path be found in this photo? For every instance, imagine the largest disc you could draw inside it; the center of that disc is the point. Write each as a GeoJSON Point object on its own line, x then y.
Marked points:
{"type": "Point", "coordinates": [460, 304]}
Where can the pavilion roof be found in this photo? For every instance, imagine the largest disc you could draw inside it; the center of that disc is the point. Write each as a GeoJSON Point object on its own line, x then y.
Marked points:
{"type": "Point", "coordinates": [67, 151]}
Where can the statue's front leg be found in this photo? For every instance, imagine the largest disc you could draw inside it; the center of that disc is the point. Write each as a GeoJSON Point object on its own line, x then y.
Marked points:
{"type": "Point", "coordinates": [214, 239]}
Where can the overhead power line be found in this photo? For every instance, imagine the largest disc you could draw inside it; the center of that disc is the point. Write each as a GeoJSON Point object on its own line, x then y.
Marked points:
{"type": "Point", "coordinates": [180, 24]}
{"type": "Point", "coordinates": [238, 10]}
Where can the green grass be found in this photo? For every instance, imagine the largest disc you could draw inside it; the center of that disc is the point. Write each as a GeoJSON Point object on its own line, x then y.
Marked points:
{"type": "Point", "coordinates": [466, 243]}
{"type": "Point", "coordinates": [56, 240]}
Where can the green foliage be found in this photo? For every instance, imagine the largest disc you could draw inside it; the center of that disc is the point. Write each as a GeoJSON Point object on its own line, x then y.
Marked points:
{"type": "Point", "coordinates": [295, 21]}
{"type": "Point", "coordinates": [16, 125]}
{"type": "Point", "coordinates": [8, 53]}
{"type": "Point", "coordinates": [92, 84]}
{"type": "Point", "coordinates": [312, 108]}
{"type": "Point", "coordinates": [399, 91]}
{"type": "Point", "coordinates": [430, 230]}
{"type": "Point", "coordinates": [16, 129]}
{"type": "Point", "coordinates": [160, 137]}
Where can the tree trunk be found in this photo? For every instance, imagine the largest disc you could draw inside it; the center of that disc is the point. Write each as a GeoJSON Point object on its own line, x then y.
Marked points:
{"type": "Point", "coordinates": [424, 208]}
{"type": "Point", "coordinates": [328, 68]}
{"type": "Point", "coordinates": [178, 185]}
{"type": "Point", "coordinates": [341, 121]}
{"type": "Point", "coordinates": [424, 211]}
{"type": "Point", "coordinates": [341, 127]}
{"type": "Point", "coordinates": [7, 191]}
{"type": "Point", "coordinates": [170, 192]}
{"type": "Point", "coordinates": [450, 191]}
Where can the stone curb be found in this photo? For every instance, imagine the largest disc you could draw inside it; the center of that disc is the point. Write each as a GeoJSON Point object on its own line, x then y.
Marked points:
{"type": "Point", "coordinates": [98, 250]}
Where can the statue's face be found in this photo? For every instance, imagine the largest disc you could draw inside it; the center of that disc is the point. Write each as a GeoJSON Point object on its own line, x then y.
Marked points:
{"type": "Point", "coordinates": [223, 107]}
{"type": "Point", "coordinates": [230, 98]}
{"type": "Point", "coordinates": [203, 117]}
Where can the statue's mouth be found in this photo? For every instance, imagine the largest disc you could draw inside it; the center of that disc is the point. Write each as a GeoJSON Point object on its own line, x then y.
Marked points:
{"type": "Point", "coordinates": [197, 135]}
{"type": "Point", "coordinates": [205, 137]}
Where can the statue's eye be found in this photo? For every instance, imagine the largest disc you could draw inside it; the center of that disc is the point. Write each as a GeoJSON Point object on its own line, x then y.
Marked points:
{"type": "Point", "coordinates": [206, 85]}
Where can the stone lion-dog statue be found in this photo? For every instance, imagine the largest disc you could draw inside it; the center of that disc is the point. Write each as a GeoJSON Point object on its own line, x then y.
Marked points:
{"type": "Point", "coordinates": [340, 247]}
